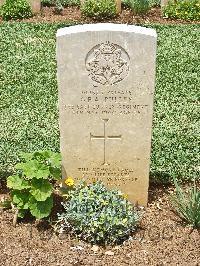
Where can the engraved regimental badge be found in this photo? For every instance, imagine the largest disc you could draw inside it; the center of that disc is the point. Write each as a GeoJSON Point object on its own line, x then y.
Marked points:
{"type": "Point", "coordinates": [107, 64]}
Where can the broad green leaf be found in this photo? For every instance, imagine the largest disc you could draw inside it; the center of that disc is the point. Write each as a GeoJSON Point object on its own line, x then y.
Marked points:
{"type": "Point", "coordinates": [55, 160]}
{"type": "Point", "coordinates": [33, 169]}
{"type": "Point", "coordinates": [21, 199]}
{"type": "Point", "coordinates": [41, 189]}
{"type": "Point", "coordinates": [55, 172]}
{"type": "Point", "coordinates": [21, 213]}
{"type": "Point", "coordinates": [18, 183]}
{"type": "Point", "coordinates": [41, 209]}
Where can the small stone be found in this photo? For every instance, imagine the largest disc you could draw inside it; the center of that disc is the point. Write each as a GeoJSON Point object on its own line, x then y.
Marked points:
{"type": "Point", "coordinates": [77, 248]}
{"type": "Point", "coordinates": [95, 248]}
{"type": "Point", "coordinates": [109, 253]}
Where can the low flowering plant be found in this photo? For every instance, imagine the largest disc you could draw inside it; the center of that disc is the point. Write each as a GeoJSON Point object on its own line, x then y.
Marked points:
{"type": "Point", "coordinates": [97, 214]}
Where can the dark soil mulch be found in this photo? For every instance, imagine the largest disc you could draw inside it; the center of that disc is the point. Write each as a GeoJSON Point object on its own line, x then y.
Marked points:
{"type": "Point", "coordinates": [161, 239]}
{"type": "Point", "coordinates": [73, 14]}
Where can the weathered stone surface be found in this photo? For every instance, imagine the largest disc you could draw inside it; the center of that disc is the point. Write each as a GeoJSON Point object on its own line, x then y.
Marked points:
{"type": "Point", "coordinates": [35, 5]}
{"type": "Point", "coordinates": [106, 75]}
{"type": "Point", "coordinates": [164, 3]}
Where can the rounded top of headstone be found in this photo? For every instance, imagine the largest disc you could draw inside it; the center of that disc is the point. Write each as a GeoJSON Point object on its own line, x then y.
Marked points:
{"type": "Point", "coordinates": [106, 27]}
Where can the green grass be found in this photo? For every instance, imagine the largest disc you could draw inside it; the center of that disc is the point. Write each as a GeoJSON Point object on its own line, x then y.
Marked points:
{"type": "Point", "coordinates": [29, 108]}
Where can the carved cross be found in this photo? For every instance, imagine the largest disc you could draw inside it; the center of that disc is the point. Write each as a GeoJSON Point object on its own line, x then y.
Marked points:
{"type": "Point", "coordinates": [105, 137]}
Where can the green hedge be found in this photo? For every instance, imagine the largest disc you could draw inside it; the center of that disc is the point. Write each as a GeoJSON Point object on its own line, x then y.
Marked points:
{"type": "Point", "coordinates": [29, 108]}
{"type": "Point", "coordinates": [183, 9]}
{"type": "Point", "coordinates": [15, 9]}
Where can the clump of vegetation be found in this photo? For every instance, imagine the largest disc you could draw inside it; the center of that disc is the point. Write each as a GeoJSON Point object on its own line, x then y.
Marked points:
{"type": "Point", "coordinates": [97, 214]}
{"type": "Point", "coordinates": [138, 6]}
{"type": "Point", "coordinates": [184, 9]}
{"type": "Point", "coordinates": [187, 205]}
{"type": "Point", "coordinates": [71, 2]}
{"type": "Point", "coordinates": [31, 188]}
{"type": "Point", "coordinates": [99, 9]}
{"type": "Point", "coordinates": [62, 2]}
{"type": "Point", "coordinates": [15, 9]}
{"type": "Point", "coordinates": [47, 2]}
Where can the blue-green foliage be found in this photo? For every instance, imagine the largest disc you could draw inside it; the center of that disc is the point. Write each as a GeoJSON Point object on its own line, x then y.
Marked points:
{"type": "Point", "coordinates": [29, 97]}
{"type": "Point", "coordinates": [187, 205]}
{"type": "Point", "coordinates": [98, 215]}
{"type": "Point", "coordinates": [152, 3]}
{"type": "Point", "coordinates": [138, 6]}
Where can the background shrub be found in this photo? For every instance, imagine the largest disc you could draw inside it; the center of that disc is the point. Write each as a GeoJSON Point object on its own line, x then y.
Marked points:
{"type": "Point", "coordinates": [99, 9]}
{"type": "Point", "coordinates": [98, 215]}
{"type": "Point", "coordinates": [47, 2]}
{"type": "Point", "coordinates": [29, 97]}
{"type": "Point", "coordinates": [71, 2]}
{"type": "Point", "coordinates": [183, 9]}
{"type": "Point", "coordinates": [154, 3]}
{"type": "Point", "coordinates": [16, 9]}
{"type": "Point", "coordinates": [62, 2]}
{"type": "Point", "coordinates": [138, 6]}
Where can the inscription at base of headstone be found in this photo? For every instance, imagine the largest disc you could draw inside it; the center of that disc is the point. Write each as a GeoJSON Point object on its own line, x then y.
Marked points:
{"type": "Point", "coordinates": [106, 75]}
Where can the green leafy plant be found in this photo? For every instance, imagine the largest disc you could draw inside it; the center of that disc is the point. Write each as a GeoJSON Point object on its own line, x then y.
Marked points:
{"type": "Point", "coordinates": [98, 215]}
{"type": "Point", "coordinates": [62, 2]}
{"type": "Point", "coordinates": [154, 3]}
{"type": "Point", "coordinates": [183, 9]}
{"type": "Point", "coordinates": [31, 188]}
{"type": "Point", "coordinates": [71, 2]}
{"type": "Point", "coordinates": [99, 9]}
{"type": "Point", "coordinates": [48, 2]}
{"type": "Point", "coordinates": [187, 205]}
{"type": "Point", "coordinates": [16, 9]}
{"type": "Point", "coordinates": [138, 6]}
{"type": "Point", "coordinates": [59, 6]}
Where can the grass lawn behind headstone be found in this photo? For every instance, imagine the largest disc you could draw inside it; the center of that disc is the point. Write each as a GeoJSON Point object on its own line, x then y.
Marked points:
{"type": "Point", "coordinates": [28, 97]}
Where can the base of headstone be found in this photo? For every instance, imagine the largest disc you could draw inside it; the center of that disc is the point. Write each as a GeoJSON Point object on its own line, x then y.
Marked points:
{"type": "Point", "coordinates": [118, 6]}
{"type": "Point", "coordinates": [35, 5]}
{"type": "Point", "coordinates": [164, 3]}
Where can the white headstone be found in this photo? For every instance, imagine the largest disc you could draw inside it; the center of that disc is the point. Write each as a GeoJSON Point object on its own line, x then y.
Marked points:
{"type": "Point", "coordinates": [106, 75]}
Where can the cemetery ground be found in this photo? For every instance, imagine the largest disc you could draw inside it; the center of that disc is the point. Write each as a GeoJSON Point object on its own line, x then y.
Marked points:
{"type": "Point", "coordinates": [29, 122]}
{"type": "Point", "coordinates": [161, 239]}
{"type": "Point", "coordinates": [73, 14]}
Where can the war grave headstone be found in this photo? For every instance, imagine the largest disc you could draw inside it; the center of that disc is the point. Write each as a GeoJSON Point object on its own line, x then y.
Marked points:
{"type": "Point", "coordinates": [106, 76]}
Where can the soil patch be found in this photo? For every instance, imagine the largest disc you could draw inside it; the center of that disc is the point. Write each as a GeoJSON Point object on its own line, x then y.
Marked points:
{"type": "Point", "coordinates": [161, 239]}
{"type": "Point", "coordinates": [73, 14]}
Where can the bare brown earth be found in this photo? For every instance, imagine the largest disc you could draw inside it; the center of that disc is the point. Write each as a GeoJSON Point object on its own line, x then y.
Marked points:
{"type": "Point", "coordinates": [73, 14]}
{"type": "Point", "coordinates": [161, 239]}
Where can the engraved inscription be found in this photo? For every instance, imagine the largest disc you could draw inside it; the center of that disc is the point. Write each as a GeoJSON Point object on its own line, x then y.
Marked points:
{"type": "Point", "coordinates": [110, 176]}
{"type": "Point", "coordinates": [104, 138]}
{"type": "Point", "coordinates": [107, 64]}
